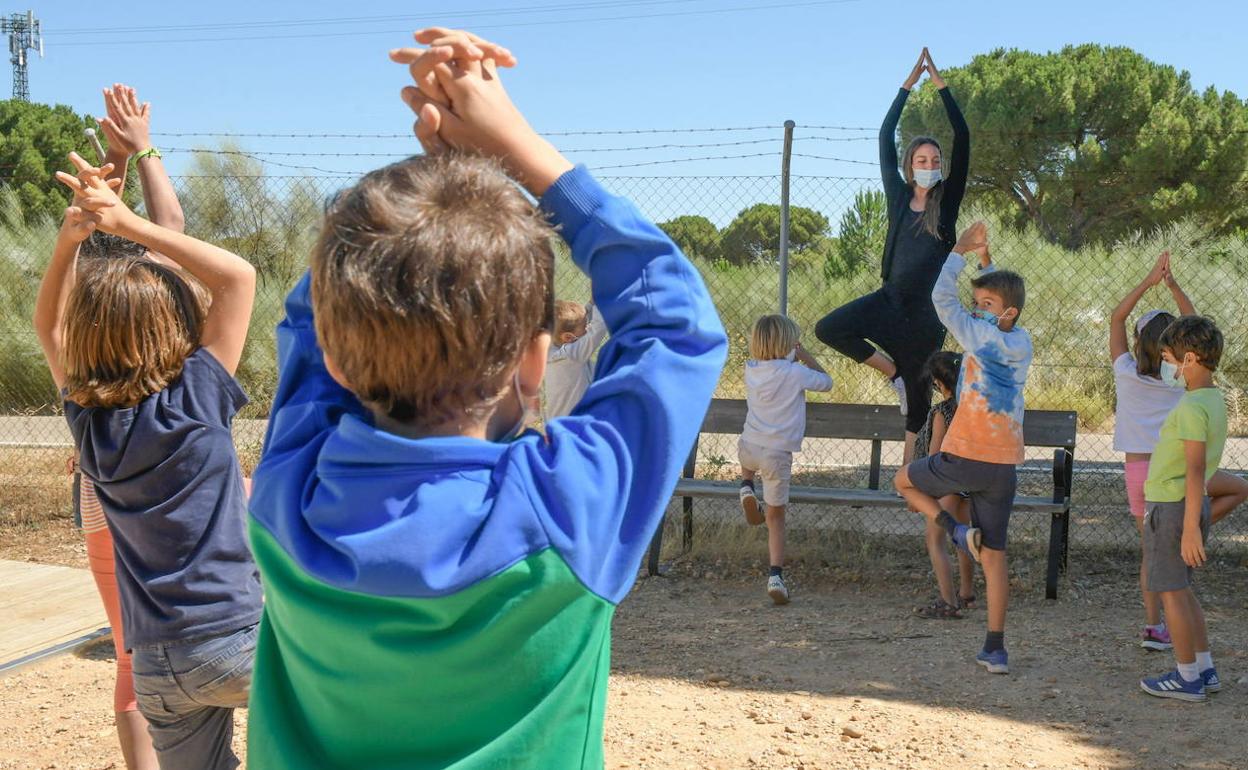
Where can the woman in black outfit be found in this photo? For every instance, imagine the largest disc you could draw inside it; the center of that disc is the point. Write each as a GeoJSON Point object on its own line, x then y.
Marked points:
{"type": "Point", "coordinates": [922, 213]}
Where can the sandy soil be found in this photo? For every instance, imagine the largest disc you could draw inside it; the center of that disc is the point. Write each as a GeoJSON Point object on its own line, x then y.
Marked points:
{"type": "Point", "coordinates": [707, 674]}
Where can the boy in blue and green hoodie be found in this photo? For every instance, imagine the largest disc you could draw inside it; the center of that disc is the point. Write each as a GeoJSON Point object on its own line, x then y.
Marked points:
{"type": "Point", "coordinates": [439, 589]}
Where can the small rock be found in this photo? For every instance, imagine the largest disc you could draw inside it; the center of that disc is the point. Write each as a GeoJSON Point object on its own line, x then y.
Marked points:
{"type": "Point", "coordinates": [782, 751]}
{"type": "Point", "coordinates": [788, 729]}
{"type": "Point", "coordinates": [806, 715]}
{"type": "Point", "coordinates": [876, 748]}
{"type": "Point", "coordinates": [850, 732]}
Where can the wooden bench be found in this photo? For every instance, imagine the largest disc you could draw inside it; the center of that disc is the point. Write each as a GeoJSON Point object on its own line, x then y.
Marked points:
{"type": "Point", "coordinates": [877, 424]}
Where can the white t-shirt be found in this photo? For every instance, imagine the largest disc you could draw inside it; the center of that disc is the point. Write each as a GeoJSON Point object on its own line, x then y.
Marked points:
{"type": "Point", "coordinates": [775, 394]}
{"type": "Point", "coordinates": [568, 371]}
{"type": "Point", "coordinates": [1143, 403]}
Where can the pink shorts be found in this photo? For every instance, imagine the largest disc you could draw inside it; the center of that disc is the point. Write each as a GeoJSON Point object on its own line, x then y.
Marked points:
{"type": "Point", "coordinates": [1136, 474]}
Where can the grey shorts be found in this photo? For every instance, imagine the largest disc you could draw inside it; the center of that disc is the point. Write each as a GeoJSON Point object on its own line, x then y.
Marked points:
{"type": "Point", "coordinates": [774, 467]}
{"type": "Point", "coordinates": [1163, 539]}
{"type": "Point", "coordinates": [189, 691]}
{"type": "Point", "coordinates": [990, 487]}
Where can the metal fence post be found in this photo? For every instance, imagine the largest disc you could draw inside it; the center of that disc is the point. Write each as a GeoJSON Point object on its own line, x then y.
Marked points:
{"type": "Point", "coordinates": [784, 216]}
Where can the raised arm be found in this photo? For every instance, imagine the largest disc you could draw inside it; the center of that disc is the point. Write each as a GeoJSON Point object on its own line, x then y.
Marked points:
{"type": "Point", "coordinates": [1119, 339]}
{"type": "Point", "coordinates": [583, 347]}
{"type": "Point", "coordinates": [57, 281]}
{"type": "Point", "coordinates": [945, 298]}
{"type": "Point", "coordinates": [128, 128]}
{"type": "Point", "coordinates": [656, 372]}
{"type": "Point", "coordinates": [960, 157]}
{"type": "Point", "coordinates": [1180, 297]}
{"type": "Point", "coordinates": [230, 279]}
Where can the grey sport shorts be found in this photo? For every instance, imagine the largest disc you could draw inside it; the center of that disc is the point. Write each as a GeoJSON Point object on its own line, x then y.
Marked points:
{"type": "Point", "coordinates": [1163, 539]}
{"type": "Point", "coordinates": [990, 486]}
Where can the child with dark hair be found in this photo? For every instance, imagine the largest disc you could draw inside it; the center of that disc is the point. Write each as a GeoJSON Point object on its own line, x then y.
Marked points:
{"type": "Point", "coordinates": [941, 371]}
{"type": "Point", "coordinates": [1177, 509]}
{"type": "Point", "coordinates": [1144, 400]}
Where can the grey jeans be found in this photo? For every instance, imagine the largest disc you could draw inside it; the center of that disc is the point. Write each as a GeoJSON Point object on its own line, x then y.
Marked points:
{"type": "Point", "coordinates": [188, 691]}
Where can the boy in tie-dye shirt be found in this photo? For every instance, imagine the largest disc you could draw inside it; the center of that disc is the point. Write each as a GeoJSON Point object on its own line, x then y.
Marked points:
{"type": "Point", "coordinates": [985, 441]}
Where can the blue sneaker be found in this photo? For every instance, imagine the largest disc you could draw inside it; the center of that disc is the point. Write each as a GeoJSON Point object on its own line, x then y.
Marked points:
{"type": "Point", "coordinates": [1210, 677]}
{"type": "Point", "coordinates": [968, 539]}
{"type": "Point", "coordinates": [1171, 685]}
{"type": "Point", "coordinates": [997, 662]}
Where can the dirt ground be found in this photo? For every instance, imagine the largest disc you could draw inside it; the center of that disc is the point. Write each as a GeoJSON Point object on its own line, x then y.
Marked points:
{"type": "Point", "coordinates": [707, 674]}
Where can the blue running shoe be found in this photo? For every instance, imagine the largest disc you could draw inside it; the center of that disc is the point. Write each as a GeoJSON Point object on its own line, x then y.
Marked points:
{"type": "Point", "coordinates": [1171, 685]}
{"type": "Point", "coordinates": [997, 662]}
{"type": "Point", "coordinates": [1210, 677]}
{"type": "Point", "coordinates": [968, 539]}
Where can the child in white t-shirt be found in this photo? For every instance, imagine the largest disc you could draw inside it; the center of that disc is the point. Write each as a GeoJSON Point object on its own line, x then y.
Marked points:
{"type": "Point", "coordinates": [777, 376]}
{"type": "Point", "coordinates": [579, 331]}
{"type": "Point", "coordinates": [1144, 401]}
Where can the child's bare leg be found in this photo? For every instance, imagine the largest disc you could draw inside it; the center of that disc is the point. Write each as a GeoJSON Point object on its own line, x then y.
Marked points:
{"type": "Point", "coordinates": [1182, 622]}
{"type": "Point", "coordinates": [1152, 602]}
{"type": "Point", "coordinates": [746, 474]}
{"type": "Point", "coordinates": [1227, 492]}
{"type": "Point", "coordinates": [937, 542]}
{"type": "Point", "coordinates": [997, 582]}
{"type": "Point", "coordinates": [1200, 632]}
{"type": "Point", "coordinates": [136, 742]}
{"type": "Point", "coordinates": [775, 534]}
{"type": "Point", "coordinates": [918, 500]}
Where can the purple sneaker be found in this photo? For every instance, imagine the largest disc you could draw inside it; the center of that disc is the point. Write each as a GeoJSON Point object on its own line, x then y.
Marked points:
{"type": "Point", "coordinates": [1156, 640]}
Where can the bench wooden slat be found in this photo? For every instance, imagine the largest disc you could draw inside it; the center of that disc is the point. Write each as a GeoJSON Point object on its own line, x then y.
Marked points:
{"type": "Point", "coordinates": [870, 422]}
{"type": "Point", "coordinates": [865, 498]}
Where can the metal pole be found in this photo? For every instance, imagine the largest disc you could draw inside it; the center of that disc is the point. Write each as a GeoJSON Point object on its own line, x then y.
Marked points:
{"type": "Point", "coordinates": [784, 216]}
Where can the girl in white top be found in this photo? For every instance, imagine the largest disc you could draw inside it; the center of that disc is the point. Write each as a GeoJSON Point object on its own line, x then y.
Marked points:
{"type": "Point", "coordinates": [1144, 400]}
{"type": "Point", "coordinates": [777, 376]}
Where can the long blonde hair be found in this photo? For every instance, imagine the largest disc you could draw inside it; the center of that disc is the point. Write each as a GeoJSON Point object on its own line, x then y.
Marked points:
{"type": "Point", "coordinates": [931, 210]}
{"type": "Point", "coordinates": [129, 325]}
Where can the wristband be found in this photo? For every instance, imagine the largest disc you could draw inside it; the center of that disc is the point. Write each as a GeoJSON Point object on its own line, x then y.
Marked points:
{"type": "Point", "coordinates": [150, 152]}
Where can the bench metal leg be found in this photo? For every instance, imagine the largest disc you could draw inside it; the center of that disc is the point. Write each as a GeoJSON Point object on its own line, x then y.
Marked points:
{"type": "Point", "coordinates": [1057, 553]}
{"type": "Point", "coordinates": [656, 546]}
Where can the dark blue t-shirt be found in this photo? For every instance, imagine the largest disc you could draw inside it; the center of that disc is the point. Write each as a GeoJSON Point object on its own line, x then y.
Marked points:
{"type": "Point", "coordinates": [168, 478]}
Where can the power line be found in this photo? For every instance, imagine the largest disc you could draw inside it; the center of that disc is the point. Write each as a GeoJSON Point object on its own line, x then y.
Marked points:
{"type": "Point", "coordinates": [567, 150]}
{"type": "Point", "coordinates": [409, 135]}
{"type": "Point", "coordinates": [508, 25]}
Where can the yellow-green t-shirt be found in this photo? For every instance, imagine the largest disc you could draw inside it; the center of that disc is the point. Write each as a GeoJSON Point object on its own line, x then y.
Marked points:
{"type": "Point", "coordinates": [1200, 416]}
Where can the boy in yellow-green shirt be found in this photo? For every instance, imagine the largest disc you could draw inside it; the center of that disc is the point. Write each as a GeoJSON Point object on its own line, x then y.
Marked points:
{"type": "Point", "coordinates": [1176, 518]}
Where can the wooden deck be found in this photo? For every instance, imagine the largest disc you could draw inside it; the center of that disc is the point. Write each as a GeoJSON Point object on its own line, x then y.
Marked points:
{"type": "Point", "coordinates": [45, 607]}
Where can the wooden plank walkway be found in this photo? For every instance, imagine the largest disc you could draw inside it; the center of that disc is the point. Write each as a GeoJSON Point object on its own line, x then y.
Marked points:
{"type": "Point", "coordinates": [43, 606]}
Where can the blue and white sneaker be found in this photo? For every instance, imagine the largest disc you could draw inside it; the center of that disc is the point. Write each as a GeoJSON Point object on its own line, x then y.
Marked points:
{"type": "Point", "coordinates": [1171, 685]}
{"type": "Point", "coordinates": [968, 539]}
{"type": "Point", "coordinates": [997, 662]}
{"type": "Point", "coordinates": [1210, 678]}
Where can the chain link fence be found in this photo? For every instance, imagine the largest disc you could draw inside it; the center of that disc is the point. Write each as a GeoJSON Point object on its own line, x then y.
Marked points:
{"type": "Point", "coordinates": [836, 241]}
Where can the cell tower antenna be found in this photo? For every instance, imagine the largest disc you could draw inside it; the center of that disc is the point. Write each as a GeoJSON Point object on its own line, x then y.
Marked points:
{"type": "Point", "coordinates": [24, 35]}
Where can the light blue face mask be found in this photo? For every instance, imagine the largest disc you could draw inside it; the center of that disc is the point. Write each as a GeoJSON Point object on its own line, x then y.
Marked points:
{"type": "Point", "coordinates": [984, 315]}
{"type": "Point", "coordinates": [927, 177]}
{"type": "Point", "coordinates": [1172, 375]}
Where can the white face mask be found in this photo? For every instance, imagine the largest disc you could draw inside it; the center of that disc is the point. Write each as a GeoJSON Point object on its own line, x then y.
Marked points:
{"type": "Point", "coordinates": [927, 177]}
{"type": "Point", "coordinates": [1172, 375]}
{"type": "Point", "coordinates": [525, 413]}
{"type": "Point", "coordinates": [792, 356]}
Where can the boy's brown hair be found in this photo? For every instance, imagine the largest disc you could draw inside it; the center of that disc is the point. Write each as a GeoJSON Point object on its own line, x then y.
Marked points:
{"type": "Point", "coordinates": [129, 325]}
{"type": "Point", "coordinates": [429, 279]}
{"type": "Point", "coordinates": [569, 317]}
{"type": "Point", "coordinates": [1194, 334]}
{"type": "Point", "coordinates": [1007, 285]}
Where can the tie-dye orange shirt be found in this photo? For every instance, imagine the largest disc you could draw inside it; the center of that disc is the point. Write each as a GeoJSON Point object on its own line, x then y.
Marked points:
{"type": "Point", "coordinates": [988, 425]}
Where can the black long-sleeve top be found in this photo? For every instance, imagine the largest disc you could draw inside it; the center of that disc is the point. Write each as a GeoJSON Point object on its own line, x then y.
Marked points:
{"type": "Point", "coordinates": [913, 257]}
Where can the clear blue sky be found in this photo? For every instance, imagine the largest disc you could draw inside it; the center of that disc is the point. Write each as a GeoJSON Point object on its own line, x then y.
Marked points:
{"type": "Point", "coordinates": [817, 63]}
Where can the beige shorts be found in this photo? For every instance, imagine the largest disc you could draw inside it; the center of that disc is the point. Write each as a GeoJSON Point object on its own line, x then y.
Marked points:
{"type": "Point", "coordinates": [773, 466]}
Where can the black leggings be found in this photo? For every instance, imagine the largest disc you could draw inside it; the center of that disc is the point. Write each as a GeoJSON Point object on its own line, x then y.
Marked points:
{"type": "Point", "coordinates": [907, 330]}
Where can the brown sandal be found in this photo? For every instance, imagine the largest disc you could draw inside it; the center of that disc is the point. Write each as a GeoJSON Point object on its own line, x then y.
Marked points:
{"type": "Point", "coordinates": [967, 602]}
{"type": "Point", "coordinates": [939, 610]}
